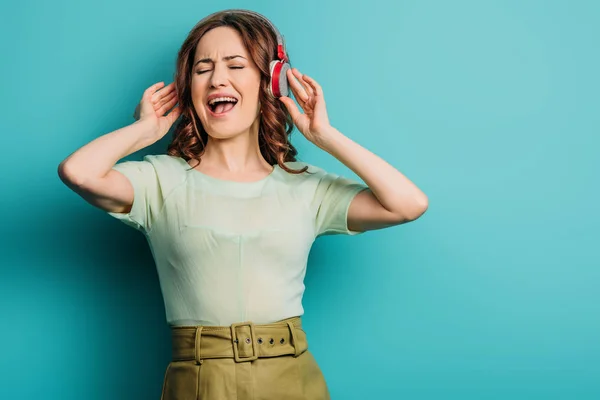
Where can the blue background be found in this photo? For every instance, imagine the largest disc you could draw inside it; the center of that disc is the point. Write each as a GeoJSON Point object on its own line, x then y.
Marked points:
{"type": "Point", "coordinates": [490, 107]}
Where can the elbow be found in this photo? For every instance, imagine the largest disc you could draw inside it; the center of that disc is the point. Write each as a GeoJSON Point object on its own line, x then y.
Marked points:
{"type": "Point", "coordinates": [418, 209]}
{"type": "Point", "coordinates": [423, 208]}
{"type": "Point", "coordinates": [67, 176]}
{"type": "Point", "coordinates": [424, 204]}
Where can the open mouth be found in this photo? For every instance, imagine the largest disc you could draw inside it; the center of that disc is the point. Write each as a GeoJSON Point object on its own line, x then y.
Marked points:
{"type": "Point", "coordinates": [222, 105]}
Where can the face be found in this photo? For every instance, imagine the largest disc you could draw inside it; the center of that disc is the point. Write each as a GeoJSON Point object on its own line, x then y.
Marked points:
{"type": "Point", "coordinates": [222, 67]}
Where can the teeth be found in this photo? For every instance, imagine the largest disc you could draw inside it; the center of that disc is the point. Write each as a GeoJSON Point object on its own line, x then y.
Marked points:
{"type": "Point", "coordinates": [213, 101]}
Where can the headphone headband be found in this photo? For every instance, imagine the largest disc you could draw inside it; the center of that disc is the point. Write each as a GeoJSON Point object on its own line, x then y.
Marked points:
{"type": "Point", "coordinates": [281, 53]}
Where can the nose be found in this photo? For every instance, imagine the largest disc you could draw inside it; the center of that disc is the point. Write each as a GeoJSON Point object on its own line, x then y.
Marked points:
{"type": "Point", "coordinates": [219, 76]}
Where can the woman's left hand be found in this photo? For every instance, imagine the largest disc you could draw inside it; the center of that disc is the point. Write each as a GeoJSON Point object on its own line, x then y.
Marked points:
{"type": "Point", "coordinates": [314, 123]}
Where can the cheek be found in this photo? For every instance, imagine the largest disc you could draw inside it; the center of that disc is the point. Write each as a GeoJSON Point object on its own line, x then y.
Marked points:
{"type": "Point", "coordinates": [253, 92]}
{"type": "Point", "coordinates": [198, 94]}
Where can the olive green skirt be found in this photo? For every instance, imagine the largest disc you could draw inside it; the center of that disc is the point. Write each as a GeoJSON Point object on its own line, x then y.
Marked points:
{"type": "Point", "coordinates": [243, 361]}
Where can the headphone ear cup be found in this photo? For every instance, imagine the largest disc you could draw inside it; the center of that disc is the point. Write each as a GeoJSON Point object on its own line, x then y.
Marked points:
{"type": "Point", "coordinates": [279, 85]}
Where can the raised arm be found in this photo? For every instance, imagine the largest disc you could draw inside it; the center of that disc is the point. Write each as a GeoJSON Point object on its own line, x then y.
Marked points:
{"type": "Point", "coordinates": [89, 170]}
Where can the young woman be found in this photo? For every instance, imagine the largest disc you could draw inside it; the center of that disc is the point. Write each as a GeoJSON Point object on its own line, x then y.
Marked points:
{"type": "Point", "coordinates": [229, 213]}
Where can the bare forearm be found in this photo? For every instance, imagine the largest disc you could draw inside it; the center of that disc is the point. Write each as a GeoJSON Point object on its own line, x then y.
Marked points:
{"type": "Point", "coordinates": [395, 192]}
{"type": "Point", "coordinates": [96, 158]}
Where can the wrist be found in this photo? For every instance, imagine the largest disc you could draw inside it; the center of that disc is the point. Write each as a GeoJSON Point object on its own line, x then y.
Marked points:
{"type": "Point", "coordinates": [148, 130]}
{"type": "Point", "coordinates": [328, 137]}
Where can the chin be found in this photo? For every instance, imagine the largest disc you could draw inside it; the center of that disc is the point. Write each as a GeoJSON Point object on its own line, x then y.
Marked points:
{"type": "Point", "coordinates": [220, 134]}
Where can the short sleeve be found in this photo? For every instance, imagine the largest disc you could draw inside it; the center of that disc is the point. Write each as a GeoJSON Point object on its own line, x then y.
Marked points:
{"type": "Point", "coordinates": [333, 196]}
{"type": "Point", "coordinates": [147, 194]}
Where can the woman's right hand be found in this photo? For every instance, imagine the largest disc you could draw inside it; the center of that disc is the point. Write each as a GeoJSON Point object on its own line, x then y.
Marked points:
{"type": "Point", "coordinates": [156, 101]}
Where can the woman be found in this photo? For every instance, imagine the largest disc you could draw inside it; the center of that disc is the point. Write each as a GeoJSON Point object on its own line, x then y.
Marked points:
{"type": "Point", "coordinates": [231, 233]}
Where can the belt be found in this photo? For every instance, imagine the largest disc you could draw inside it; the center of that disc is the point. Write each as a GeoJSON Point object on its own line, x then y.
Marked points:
{"type": "Point", "coordinates": [243, 341]}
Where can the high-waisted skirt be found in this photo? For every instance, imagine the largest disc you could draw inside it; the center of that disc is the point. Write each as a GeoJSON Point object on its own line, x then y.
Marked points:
{"type": "Point", "coordinates": [243, 361]}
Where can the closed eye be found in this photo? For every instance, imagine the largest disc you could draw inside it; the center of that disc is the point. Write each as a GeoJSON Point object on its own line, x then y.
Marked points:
{"type": "Point", "coordinates": [206, 70]}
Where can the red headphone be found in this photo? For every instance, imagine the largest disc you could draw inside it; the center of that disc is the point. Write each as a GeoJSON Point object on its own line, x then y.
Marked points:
{"type": "Point", "coordinates": [278, 68]}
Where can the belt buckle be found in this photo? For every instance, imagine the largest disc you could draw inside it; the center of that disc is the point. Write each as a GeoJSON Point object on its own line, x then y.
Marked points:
{"type": "Point", "coordinates": [234, 339]}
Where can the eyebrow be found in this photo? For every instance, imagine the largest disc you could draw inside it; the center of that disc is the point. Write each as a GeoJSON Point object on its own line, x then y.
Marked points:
{"type": "Point", "coordinates": [209, 60]}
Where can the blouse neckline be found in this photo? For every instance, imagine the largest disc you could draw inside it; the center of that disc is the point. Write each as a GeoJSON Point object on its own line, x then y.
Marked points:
{"type": "Point", "coordinates": [227, 181]}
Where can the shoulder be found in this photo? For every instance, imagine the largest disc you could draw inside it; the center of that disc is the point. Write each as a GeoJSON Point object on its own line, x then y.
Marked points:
{"type": "Point", "coordinates": [307, 182]}
{"type": "Point", "coordinates": [166, 164]}
{"type": "Point", "coordinates": [170, 171]}
{"type": "Point", "coordinates": [320, 180]}
{"type": "Point", "coordinates": [311, 172]}
{"type": "Point", "coordinates": [164, 160]}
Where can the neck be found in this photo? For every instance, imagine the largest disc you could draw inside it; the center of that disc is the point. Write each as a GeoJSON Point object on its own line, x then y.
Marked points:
{"type": "Point", "coordinates": [237, 154]}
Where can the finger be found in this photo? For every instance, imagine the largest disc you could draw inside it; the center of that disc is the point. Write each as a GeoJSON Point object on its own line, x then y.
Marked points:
{"type": "Point", "coordinates": [307, 87]}
{"type": "Point", "coordinates": [164, 92]}
{"type": "Point", "coordinates": [318, 91]}
{"type": "Point", "coordinates": [293, 86]}
{"type": "Point", "coordinates": [150, 91]}
{"type": "Point", "coordinates": [161, 111]}
{"type": "Point", "coordinates": [291, 106]}
{"type": "Point", "coordinates": [174, 114]}
{"type": "Point", "coordinates": [145, 106]}
{"type": "Point", "coordinates": [169, 88]}
{"type": "Point", "coordinates": [297, 89]}
{"type": "Point", "coordinates": [165, 99]}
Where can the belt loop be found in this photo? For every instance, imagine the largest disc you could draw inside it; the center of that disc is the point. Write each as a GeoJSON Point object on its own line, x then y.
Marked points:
{"type": "Point", "coordinates": [294, 339]}
{"type": "Point", "coordinates": [197, 345]}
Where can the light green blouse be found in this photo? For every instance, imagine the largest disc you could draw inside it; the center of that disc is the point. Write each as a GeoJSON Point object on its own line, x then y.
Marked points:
{"type": "Point", "coordinates": [229, 251]}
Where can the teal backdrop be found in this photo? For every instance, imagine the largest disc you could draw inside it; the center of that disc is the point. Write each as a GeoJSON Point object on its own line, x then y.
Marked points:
{"type": "Point", "coordinates": [490, 107]}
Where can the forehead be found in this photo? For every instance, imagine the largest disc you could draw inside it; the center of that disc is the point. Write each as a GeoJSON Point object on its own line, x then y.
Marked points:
{"type": "Point", "coordinates": [220, 41]}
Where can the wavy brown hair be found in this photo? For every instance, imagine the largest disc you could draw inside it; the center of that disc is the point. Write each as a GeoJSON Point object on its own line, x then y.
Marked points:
{"type": "Point", "coordinates": [276, 124]}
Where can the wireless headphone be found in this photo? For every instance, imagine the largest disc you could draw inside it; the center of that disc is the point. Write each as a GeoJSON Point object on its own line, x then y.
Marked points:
{"type": "Point", "coordinates": [278, 85]}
